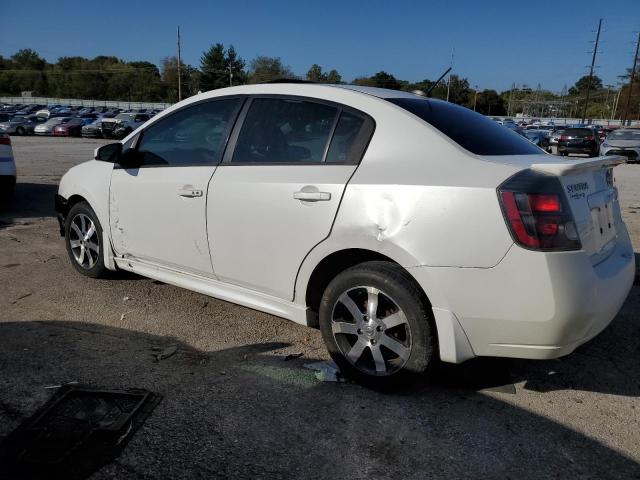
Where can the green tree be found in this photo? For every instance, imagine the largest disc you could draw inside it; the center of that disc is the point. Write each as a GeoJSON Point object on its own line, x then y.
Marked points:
{"type": "Point", "coordinates": [381, 79]}
{"type": "Point", "coordinates": [264, 69]}
{"type": "Point", "coordinates": [583, 83]}
{"type": "Point", "coordinates": [315, 74]}
{"type": "Point", "coordinates": [489, 103]}
{"type": "Point", "coordinates": [213, 68]}
{"type": "Point", "coordinates": [333, 77]}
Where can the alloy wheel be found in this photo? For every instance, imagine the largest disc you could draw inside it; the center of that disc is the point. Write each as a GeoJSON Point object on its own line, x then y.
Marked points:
{"type": "Point", "coordinates": [371, 331]}
{"type": "Point", "coordinates": [84, 242]}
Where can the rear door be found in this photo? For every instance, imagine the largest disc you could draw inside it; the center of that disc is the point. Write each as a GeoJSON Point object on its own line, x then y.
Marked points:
{"type": "Point", "coordinates": [276, 194]}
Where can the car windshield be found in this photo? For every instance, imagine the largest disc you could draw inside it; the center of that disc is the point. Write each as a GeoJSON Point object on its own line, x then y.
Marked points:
{"type": "Point", "coordinates": [472, 131]}
{"type": "Point", "coordinates": [624, 135]}
{"type": "Point", "coordinates": [127, 117]}
{"type": "Point", "coordinates": [18, 119]}
{"type": "Point", "coordinates": [531, 134]}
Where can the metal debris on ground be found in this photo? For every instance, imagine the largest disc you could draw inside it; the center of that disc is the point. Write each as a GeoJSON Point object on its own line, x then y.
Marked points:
{"type": "Point", "coordinates": [325, 371]}
{"type": "Point", "coordinates": [49, 387]}
{"type": "Point", "coordinates": [167, 352]}
{"type": "Point", "coordinates": [78, 431]}
{"type": "Point", "coordinates": [21, 297]}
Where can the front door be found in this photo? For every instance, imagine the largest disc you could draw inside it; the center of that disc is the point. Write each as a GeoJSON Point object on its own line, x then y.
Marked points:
{"type": "Point", "coordinates": [158, 209]}
{"type": "Point", "coordinates": [275, 196]}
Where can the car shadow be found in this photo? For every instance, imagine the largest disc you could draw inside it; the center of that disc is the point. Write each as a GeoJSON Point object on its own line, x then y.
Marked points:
{"type": "Point", "coordinates": [244, 412]}
{"type": "Point", "coordinates": [31, 200]}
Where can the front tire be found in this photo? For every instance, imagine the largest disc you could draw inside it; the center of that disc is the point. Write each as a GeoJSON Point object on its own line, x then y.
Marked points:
{"type": "Point", "coordinates": [83, 239]}
{"type": "Point", "coordinates": [377, 325]}
{"type": "Point", "coordinates": [20, 131]}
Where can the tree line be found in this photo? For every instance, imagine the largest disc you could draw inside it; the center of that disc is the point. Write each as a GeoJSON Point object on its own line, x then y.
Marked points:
{"type": "Point", "coordinates": [111, 78]}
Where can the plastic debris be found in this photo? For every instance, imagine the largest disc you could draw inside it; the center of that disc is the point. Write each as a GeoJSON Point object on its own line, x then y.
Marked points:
{"type": "Point", "coordinates": [325, 371]}
{"type": "Point", "coordinates": [292, 356]}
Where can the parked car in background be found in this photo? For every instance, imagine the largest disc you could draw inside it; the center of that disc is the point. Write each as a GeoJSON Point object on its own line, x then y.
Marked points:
{"type": "Point", "coordinates": [93, 129]}
{"type": "Point", "coordinates": [382, 189]}
{"type": "Point", "coordinates": [579, 140]}
{"type": "Point", "coordinates": [18, 125]}
{"type": "Point", "coordinates": [554, 137]}
{"type": "Point", "coordinates": [624, 141]}
{"type": "Point", "coordinates": [70, 128]}
{"type": "Point", "coordinates": [46, 128]}
{"type": "Point", "coordinates": [122, 124]}
{"type": "Point", "coordinates": [7, 168]}
{"type": "Point", "coordinates": [539, 138]}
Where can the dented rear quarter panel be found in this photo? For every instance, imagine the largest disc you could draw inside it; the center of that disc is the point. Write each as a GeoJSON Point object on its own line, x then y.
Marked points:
{"type": "Point", "coordinates": [420, 200]}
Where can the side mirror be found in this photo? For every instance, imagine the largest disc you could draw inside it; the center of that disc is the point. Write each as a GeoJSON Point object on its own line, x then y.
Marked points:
{"type": "Point", "coordinates": [109, 153]}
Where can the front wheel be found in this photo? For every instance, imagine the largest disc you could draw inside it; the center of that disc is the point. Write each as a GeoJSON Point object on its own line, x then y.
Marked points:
{"type": "Point", "coordinates": [377, 325]}
{"type": "Point", "coordinates": [83, 238]}
{"type": "Point", "coordinates": [20, 131]}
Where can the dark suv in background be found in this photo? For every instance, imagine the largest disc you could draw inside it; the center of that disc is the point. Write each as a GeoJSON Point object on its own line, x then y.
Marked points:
{"type": "Point", "coordinates": [579, 140]}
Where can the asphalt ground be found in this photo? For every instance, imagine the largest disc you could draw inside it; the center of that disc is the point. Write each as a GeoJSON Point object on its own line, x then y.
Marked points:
{"type": "Point", "coordinates": [233, 407]}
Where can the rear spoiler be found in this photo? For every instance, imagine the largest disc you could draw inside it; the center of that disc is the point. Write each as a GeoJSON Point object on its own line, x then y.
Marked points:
{"type": "Point", "coordinates": [579, 165]}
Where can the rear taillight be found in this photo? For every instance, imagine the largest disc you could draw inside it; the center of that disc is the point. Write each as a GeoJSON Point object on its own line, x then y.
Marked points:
{"type": "Point", "coordinates": [564, 137]}
{"type": "Point", "coordinates": [588, 138]}
{"type": "Point", "coordinates": [537, 213]}
{"type": "Point", "coordinates": [5, 139]}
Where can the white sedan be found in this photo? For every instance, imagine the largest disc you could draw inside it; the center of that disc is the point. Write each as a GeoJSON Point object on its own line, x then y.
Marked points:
{"type": "Point", "coordinates": [7, 168]}
{"type": "Point", "coordinates": [407, 229]}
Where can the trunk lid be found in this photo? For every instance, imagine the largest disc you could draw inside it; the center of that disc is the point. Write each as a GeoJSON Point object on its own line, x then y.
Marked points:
{"type": "Point", "coordinates": [590, 191]}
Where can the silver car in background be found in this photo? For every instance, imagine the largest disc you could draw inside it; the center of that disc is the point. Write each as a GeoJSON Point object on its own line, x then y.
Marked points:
{"type": "Point", "coordinates": [625, 142]}
{"type": "Point", "coordinates": [18, 125]}
{"type": "Point", "coordinates": [46, 128]}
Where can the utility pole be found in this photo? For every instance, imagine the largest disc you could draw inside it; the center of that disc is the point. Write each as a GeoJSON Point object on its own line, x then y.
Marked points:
{"type": "Point", "coordinates": [230, 76]}
{"type": "Point", "coordinates": [616, 101]}
{"type": "Point", "coordinates": [633, 76]}
{"type": "Point", "coordinates": [475, 99]}
{"type": "Point", "coordinates": [513, 87]}
{"type": "Point", "coordinates": [179, 75]}
{"type": "Point", "coordinates": [593, 63]}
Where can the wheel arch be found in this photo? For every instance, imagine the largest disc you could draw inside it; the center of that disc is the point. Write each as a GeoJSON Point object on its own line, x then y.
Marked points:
{"type": "Point", "coordinates": [335, 263]}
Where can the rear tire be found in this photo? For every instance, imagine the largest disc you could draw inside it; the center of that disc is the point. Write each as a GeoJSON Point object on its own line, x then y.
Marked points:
{"type": "Point", "coordinates": [83, 239]}
{"type": "Point", "coordinates": [20, 131]}
{"type": "Point", "coordinates": [377, 325]}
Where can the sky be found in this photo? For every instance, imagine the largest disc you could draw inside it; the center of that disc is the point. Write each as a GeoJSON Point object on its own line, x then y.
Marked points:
{"type": "Point", "coordinates": [496, 42]}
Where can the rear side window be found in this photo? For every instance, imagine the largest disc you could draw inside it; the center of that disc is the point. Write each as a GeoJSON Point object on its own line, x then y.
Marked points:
{"type": "Point", "coordinates": [470, 130]}
{"type": "Point", "coordinates": [191, 136]}
{"type": "Point", "coordinates": [284, 131]}
{"type": "Point", "coordinates": [350, 139]}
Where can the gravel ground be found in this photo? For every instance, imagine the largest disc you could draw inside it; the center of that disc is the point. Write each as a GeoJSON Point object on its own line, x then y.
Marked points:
{"type": "Point", "coordinates": [234, 408]}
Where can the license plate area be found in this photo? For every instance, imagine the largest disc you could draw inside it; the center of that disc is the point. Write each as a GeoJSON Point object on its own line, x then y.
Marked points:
{"type": "Point", "coordinates": [603, 224]}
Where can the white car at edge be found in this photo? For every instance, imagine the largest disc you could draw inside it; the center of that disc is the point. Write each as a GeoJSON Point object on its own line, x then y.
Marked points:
{"type": "Point", "coordinates": [408, 229]}
{"type": "Point", "coordinates": [7, 168]}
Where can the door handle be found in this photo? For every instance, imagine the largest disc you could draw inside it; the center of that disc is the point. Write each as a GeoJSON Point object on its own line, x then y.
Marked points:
{"type": "Point", "coordinates": [312, 196]}
{"type": "Point", "coordinates": [190, 192]}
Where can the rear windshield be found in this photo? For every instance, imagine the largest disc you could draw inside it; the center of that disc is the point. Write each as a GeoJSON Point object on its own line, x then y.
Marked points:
{"type": "Point", "coordinates": [472, 131]}
{"type": "Point", "coordinates": [578, 132]}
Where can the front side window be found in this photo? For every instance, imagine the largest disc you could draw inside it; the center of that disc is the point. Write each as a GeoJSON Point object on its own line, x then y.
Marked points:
{"type": "Point", "coordinates": [192, 136]}
{"type": "Point", "coordinates": [284, 131]}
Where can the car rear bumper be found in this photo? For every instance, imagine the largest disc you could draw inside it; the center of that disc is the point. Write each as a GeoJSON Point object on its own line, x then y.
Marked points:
{"type": "Point", "coordinates": [532, 304]}
{"type": "Point", "coordinates": [574, 149]}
